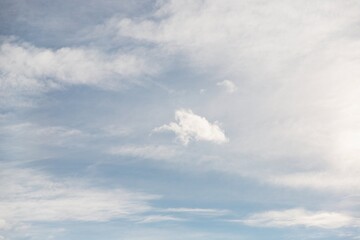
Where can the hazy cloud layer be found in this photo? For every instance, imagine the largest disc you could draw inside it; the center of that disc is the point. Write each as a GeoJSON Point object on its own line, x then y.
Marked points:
{"type": "Point", "coordinates": [266, 98]}
{"type": "Point", "coordinates": [299, 69]}
{"type": "Point", "coordinates": [228, 85]}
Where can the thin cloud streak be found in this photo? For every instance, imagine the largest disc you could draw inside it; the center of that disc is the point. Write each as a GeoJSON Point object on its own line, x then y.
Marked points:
{"type": "Point", "coordinates": [145, 151]}
{"type": "Point", "coordinates": [199, 211]}
{"type": "Point", "coordinates": [300, 217]}
{"type": "Point", "coordinates": [32, 196]}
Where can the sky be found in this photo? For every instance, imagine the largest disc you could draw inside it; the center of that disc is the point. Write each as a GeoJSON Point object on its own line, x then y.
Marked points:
{"type": "Point", "coordinates": [179, 119]}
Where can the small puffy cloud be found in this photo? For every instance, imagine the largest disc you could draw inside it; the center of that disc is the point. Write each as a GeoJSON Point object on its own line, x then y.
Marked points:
{"type": "Point", "coordinates": [147, 151]}
{"type": "Point", "coordinates": [299, 217]}
{"type": "Point", "coordinates": [189, 126]}
{"type": "Point", "coordinates": [228, 85]}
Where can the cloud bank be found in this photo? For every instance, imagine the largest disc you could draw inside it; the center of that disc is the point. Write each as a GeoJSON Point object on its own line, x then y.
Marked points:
{"type": "Point", "coordinates": [299, 89]}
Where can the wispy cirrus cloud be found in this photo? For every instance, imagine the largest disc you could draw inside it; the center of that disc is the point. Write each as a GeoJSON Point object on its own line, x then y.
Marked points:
{"type": "Point", "coordinates": [28, 70]}
{"type": "Point", "coordinates": [28, 128]}
{"type": "Point", "coordinates": [144, 151]}
{"type": "Point", "coordinates": [300, 217]}
{"type": "Point", "coordinates": [198, 211]}
{"type": "Point", "coordinates": [159, 218]}
{"type": "Point", "coordinates": [294, 121]}
{"type": "Point", "coordinates": [33, 196]}
{"type": "Point", "coordinates": [33, 140]}
{"type": "Point", "coordinates": [182, 214]}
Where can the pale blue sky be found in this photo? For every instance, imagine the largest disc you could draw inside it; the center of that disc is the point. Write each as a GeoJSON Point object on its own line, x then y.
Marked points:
{"type": "Point", "coordinates": [159, 120]}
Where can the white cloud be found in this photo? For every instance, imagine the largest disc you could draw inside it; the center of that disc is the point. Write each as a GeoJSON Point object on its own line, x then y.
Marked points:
{"type": "Point", "coordinates": [116, 131]}
{"type": "Point", "coordinates": [28, 70]}
{"type": "Point", "coordinates": [31, 134]}
{"type": "Point", "coordinates": [146, 151]}
{"type": "Point", "coordinates": [320, 180]}
{"type": "Point", "coordinates": [30, 196]}
{"type": "Point", "coordinates": [189, 126]}
{"type": "Point", "coordinates": [176, 233]}
{"type": "Point", "coordinates": [198, 211]}
{"type": "Point", "coordinates": [159, 218]}
{"type": "Point", "coordinates": [36, 130]}
{"type": "Point", "coordinates": [300, 217]}
{"type": "Point", "coordinates": [241, 35]}
{"type": "Point", "coordinates": [3, 224]}
{"type": "Point", "coordinates": [299, 69]}
{"type": "Point", "coordinates": [228, 85]}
